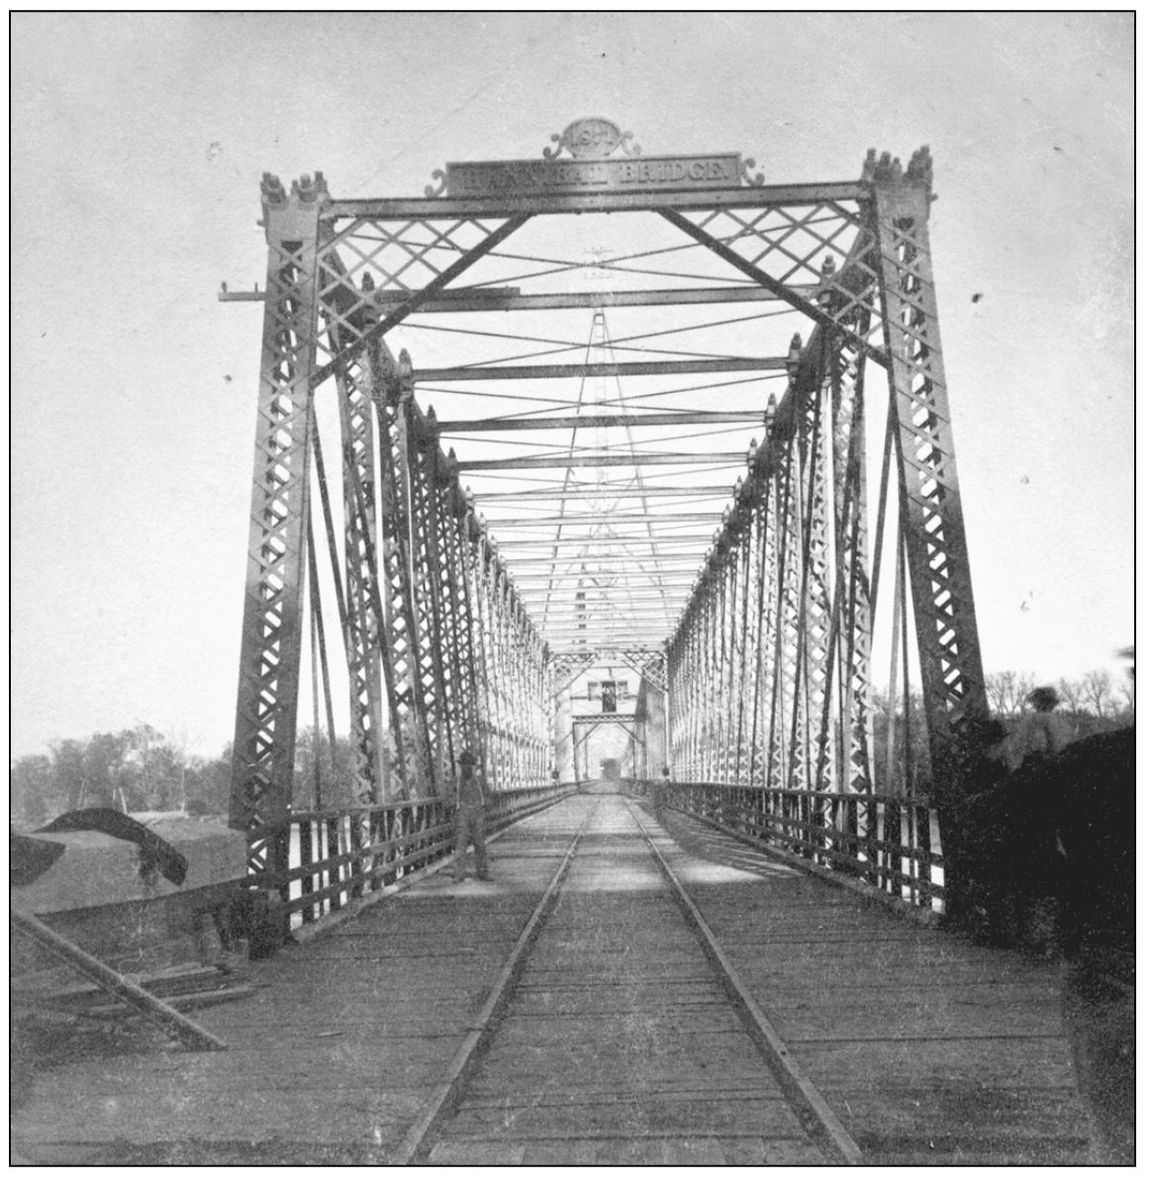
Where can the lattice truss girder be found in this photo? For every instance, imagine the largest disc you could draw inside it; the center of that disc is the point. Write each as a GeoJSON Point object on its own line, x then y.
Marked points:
{"type": "Point", "coordinates": [821, 258]}
{"type": "Point", "coordinates": [813, 723]}
{"type": "Point", "coordinates": [451, 618]}
{"type": "Point", "coordinates": [758, 665]}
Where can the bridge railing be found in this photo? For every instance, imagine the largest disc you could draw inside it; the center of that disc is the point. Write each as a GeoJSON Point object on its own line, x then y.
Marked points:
{"type": "Point", "coordinates": [889, 842]}
{"type": "Point", "coordinates": [340, 855]}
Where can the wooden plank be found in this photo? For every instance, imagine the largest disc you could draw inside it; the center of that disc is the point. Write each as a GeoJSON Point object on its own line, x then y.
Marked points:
{"type": "Point", "coordinates": [189, 1033]}
{"type": "Point", "coordinates": [699, 1114]}
{"type": "Point", "coordinates": [417, 1137]}
{"type": "Point", "coordinates": [931, 1050]}
{"type": "Point", "coordinates": [633, 1151]}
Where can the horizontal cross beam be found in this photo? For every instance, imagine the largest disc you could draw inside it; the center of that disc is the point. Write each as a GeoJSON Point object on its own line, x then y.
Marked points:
{"type": "Point", "coordinates": [596, 370]}
{"type": "Point", "coordinates": [603, 460]}
{"type": "Point", "coordinates": [598, 519]}
{"type": "Point", "coordinates": [546, 550]}
{"type": "Point", "coordinates": [604, 641]}
{"type": "Point", "coordinates": [584, 491]}
{"type": "Point", "coordinates": [456, 427]}
{"type": "Point", "coordinates": [507, 205]}
{"type": "Point", "coordinates": [669, 586]}
{"type": "Point", "coordinates": [513, 300]}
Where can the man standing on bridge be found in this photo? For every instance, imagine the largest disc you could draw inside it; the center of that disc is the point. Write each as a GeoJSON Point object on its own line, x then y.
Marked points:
{"type": "Point", "coordinates": [469, 818]}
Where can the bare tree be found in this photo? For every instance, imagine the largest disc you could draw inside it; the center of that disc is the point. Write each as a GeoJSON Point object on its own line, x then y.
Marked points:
{"type": "Point", "coordinates": [1099, 696]}
{"type": "Point", "coordinates": [1128, 692]}
{"type": "Point", "coordinates": [1072, 694]}
{"type": "Point", "coordinates": [1007, 690]}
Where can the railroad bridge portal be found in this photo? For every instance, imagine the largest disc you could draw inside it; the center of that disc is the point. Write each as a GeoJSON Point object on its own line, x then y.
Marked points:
{"type": "Point", "coordinates": [691, 439]}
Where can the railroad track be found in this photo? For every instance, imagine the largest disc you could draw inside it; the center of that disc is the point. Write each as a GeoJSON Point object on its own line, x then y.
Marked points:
{"type": "Point", "coordinates": [619, 1032]}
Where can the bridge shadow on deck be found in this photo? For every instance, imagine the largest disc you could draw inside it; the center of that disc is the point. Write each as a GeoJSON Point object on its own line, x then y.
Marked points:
{"type": "Point", "coordinates": [927, 1048]}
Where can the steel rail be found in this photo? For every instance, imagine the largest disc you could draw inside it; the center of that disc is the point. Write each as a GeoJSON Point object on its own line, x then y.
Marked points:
{"type": "Point", "coordinates": [817, 1117]}
{"type": "Point", "coordinates": [418, 1138]}
{"type": "Point", "coordinates": [803, 1095]}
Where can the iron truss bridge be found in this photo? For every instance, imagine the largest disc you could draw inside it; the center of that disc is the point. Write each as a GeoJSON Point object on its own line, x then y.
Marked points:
{"type": "Point", "coordinates": [598, 406]}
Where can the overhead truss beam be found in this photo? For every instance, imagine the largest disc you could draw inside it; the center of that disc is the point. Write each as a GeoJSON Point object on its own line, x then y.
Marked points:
{"type": "Point", "coordinates": [598, 370]}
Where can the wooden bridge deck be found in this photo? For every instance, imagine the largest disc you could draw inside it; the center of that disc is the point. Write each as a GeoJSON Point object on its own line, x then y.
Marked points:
{"type": "Point", "coordinates": [617, 1046]}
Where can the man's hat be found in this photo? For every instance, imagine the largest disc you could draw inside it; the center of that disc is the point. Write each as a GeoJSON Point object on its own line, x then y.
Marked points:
{"type": "Point", "coordinates": [466, 758]}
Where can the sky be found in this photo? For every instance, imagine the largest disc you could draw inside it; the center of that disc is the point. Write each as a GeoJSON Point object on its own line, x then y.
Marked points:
{"type": "Point", "coordinates": [138, 142]}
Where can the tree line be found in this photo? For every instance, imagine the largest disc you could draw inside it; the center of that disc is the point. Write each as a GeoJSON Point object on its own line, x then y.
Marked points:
{"type": "Point", "coordinates": [140, 769]}
{"type": "Point", "coordinates": [1096, 702]}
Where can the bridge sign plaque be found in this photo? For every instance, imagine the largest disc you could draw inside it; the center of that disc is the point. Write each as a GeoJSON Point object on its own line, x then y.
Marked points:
{"type": "Point", "coordinates": [581, 176]}
{"type": "Point", "coordinates": [592, 168]}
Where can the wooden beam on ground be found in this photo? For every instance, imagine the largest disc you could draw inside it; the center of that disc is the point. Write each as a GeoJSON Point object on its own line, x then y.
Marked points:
{"type": "Point", "coordinates": [190, 1034]}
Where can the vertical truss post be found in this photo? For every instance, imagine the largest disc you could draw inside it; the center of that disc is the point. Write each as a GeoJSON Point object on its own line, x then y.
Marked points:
{"type": "Point", "coordinates": [944, 614]}
{"type": "Point", "coordinates": [392, 396]}
{"type": "Point", "coordinates": [851, 549]}
{"type": "Point", "coordinates": [759, 489]}
{"type": "Point", "coordinates": [265, 736]}
{"type": "Point", "coordinates": [817, 617]}
{"type": "Point", "coordinates": [478, 618]}
{"type": "Point", "coordinates": [454, 572]}
{"type": "Point", "coordinates": [428, 566]}
{"type": "Point", "coordinates": [713, 725]}
{"type": "Point", "coordinates": [366, 704]}
{"type": "Point", "coordinates": [733, 659]}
